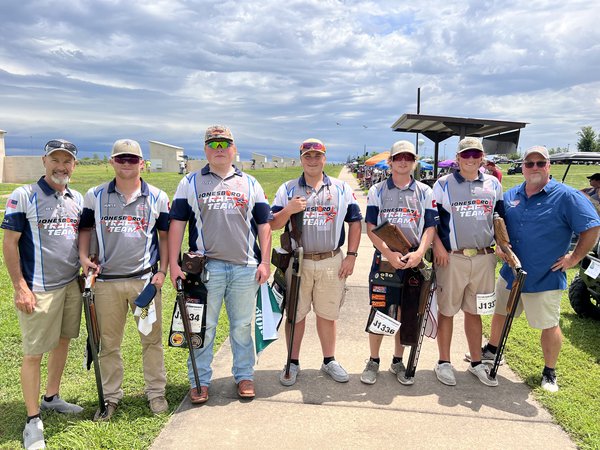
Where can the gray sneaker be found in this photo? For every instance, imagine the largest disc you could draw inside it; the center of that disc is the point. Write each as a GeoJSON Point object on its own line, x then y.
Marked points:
{"type": "Point", "coordinates": [397, 368]}
{"type": "Point", "coordinates": [482, 372]}
{"type": "Point", "coordinates": [33, 434]}
{"type": "Point", "coordinates": [369, 375]}
{"type": "Point", "coordinates": [59, 405]}
{"type": "Point", "coordinates": [294, 369]}
{"type": "Point", "coordinates": [445, 374]}
{"type": "Point", "coordinates": [335, 371]}
{"type": "Point", "coordinates": [487, 357]}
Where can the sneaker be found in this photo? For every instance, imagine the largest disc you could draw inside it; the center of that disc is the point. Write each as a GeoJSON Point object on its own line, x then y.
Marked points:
{"type": "Point", "coordinates": [397, 368]}
{"type": "Point", "coordinates": [291, 380]}
{"type": "Point", "coordinates": [59, 405]}
{"type": "Point", "coordinates": [549, 383]}
{"type": "Point", "coordinates": [482, 372]}
{"type": "Point", "coordinates": [369, 375]}
{"type": "Point", "coordinates": [33, 434]}
{"type": "Point", "coordinates": [110, 410]}
{"type": "Point", "coordinates": [487, 357]}
{"type": "Point", "coordinates": [159, 405]}
{"type": "Point", "coordinates": [335, 371]}
{"type": "Point", "coordinates": [444, 372]}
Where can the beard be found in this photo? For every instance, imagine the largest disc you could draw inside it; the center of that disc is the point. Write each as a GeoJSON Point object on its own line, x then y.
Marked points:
{"type": "Point", "coordinates": [60, 179]}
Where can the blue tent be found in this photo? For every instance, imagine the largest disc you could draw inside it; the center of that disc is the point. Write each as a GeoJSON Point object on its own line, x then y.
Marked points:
{"type": "Point", "coordinates": [383, 165]}
{"type": "Point", "coordinates": [425, 166]}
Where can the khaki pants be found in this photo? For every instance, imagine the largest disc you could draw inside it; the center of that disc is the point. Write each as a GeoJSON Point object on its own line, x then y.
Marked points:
{"type": "Point", "coordinates": [114, 300]}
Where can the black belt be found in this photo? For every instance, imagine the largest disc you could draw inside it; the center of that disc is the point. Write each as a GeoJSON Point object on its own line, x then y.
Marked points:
{"type": "Point", "coordinates": [137, 274]}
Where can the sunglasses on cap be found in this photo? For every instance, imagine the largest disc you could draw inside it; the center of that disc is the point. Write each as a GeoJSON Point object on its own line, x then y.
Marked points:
{"type": "Point", "coordinates": [539, 164]}
{"type": "Point", "coordinates": [312, 146]}
{"type": "Point", "coordinates": [471, 154]}
{"type": "Point", "coordinates": [127, 159]}
{"type": "Point", "coordinates": [403, 157]}
{"type": "Point", "coordinates": [54, 145]}
{"type": "Point", "coordinates": [219, 144]}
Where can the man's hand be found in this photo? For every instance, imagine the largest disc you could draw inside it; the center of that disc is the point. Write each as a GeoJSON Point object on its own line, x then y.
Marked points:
{"type": "Point", "coordinates": [158, 279]}
{"type": "Point", "coordinates": [411, 259]}
{"type": "Point", "coordinates": [296, 204]}
{"type": "Point", "coordinates": [176, 272]}
{"type": "Point", "coordinates": [565, 262]}
{"type": "Point", "coordinates": [263, 271]}
{"type": "Point", "coordinates": [25, 300]}
{"type": "Point", "coordinates": [87, 264]}
{"type": "Point", "coordinates": [347, 267]}
{"type": "Point", "coordinates": [440, 254]}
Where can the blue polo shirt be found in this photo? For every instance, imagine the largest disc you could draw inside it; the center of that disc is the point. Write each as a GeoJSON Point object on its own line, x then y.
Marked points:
{"type": "Point", "coordinates": [540, 230]}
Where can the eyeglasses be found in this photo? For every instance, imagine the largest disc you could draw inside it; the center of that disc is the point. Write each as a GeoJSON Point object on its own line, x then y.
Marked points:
{"type": "Point", "coordinates": [312, 146]}
{"type": "Point", "coordinates": [539, 164]}
{"type": "Point", "coordinates": [471, 154]}
{"type": "Point", "coordinates": [403, 157]}
{"type": "Point", "coordinates": [54, 144]}
{"type": "Point", "coordinates": [219, 144]}
{"type": "Point", "coordinates": [127, 159]}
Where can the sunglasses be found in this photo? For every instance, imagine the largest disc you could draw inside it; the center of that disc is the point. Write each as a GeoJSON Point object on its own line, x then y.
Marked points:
{"type": "Point", "coordinates": [219, 144]}
{"type": "Point", "coordinates": [471, 154]}
{"type": "Point", "coordinates": [127, 159]}
{"type": "Point", "coordinates": [312, 146]}
{"type": "Point", "coordinates": [53, 145]}
{"type": "Point", "coordinates": [539, 164]}
{"type": "Point", "coordinates": [403, 157]}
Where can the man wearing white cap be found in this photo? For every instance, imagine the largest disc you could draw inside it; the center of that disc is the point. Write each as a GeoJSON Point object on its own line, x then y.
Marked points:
{"type": "Point", "coordinates": [541, 216]}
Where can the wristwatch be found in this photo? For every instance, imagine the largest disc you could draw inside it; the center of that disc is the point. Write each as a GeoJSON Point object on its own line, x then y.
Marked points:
{"type": "Point", "coordinates": [352, 253]}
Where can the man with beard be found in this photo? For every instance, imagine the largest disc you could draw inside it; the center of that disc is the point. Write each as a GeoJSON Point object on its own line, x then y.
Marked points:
{"type": "Point", "coordinates": [40, 251]}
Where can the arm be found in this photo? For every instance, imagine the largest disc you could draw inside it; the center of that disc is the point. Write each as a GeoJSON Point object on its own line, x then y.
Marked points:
{"type": "Point", "coordinates": [587, 239]}
{"type": "Point", "coordinates": [282, 217]}
{"type": "Point", "coordinates": [413, 259]}
{"type": "Point", "coordinates": [175, 238]}
{"type": "Point", "coordinates": [24, 298]}
{"type": "Point", "coordinates": [85, 235]}
{"type": "Point", "coordinates": [263, 271]}
{"type": "Point", "coordinates": [163, 249]}
{"type": "Point", "coordinates": [440, 254]}
{"type": "Point", "coordinates": [354, 229]}
{"type": "Point", "coordinates": [392, 256]}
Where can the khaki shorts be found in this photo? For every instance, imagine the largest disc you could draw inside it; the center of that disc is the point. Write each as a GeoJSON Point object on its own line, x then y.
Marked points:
{"type": "Point", "coordinates": [57, 314]}
{"type": "Point", "coordinates": [459, 282]}
{"type": "Point", "coordinates": [320, 287]}
{"type": "Point", "coordinates": [542, 309]}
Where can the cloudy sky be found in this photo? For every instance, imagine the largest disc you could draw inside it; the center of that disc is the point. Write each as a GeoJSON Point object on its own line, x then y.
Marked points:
{"type": "Point", "coordinates": [278, 72]}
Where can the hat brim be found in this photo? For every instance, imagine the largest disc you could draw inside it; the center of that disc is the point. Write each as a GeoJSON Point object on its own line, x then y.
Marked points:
{"type": "Point", "coordinates": [146, 296]}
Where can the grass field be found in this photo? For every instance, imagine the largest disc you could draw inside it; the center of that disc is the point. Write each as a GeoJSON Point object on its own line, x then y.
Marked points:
{"type": "Point", "coordinates": [576, 407]}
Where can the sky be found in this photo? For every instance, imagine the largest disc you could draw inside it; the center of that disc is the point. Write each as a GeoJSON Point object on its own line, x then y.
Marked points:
{"type": "Point", "coordinates": [278, 72]}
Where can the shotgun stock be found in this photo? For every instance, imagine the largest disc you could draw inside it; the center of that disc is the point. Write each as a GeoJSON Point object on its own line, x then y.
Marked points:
{"type": "Point", "coordinates": [187, 328]}
{"type": "Point", "coordinates": [394, 238]}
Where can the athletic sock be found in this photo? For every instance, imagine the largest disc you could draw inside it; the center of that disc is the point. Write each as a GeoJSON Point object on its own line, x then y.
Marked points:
{"type": "Point", "coordinates": [30, 418]}
{"type": "Point", "coordinates": [548, 371]}
{"type": "Point", "coordinates": [475, 363]}
{"type": "Point", "coordinates": [295, 361]}
{"type": "Point", "coordinates": [441, 361]}
{"type": "Point", "coordinates": [328, 359]}
{"type": "Point", "coordinates": [49, 399]}
{"type": "Point", "coordinates": [491, 348]}
{"type": "Point", "coordinates": [375, 360]}
{"type": "Point", "coordinates": [396, 359]}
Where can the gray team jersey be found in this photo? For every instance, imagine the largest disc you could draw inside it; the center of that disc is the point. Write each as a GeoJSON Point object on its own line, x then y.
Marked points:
{"type": "Point", "coordinates": [326, 211]}
{"type": "Point", "coordinates": [466, 210]}
{"type": "Point", "coordinates": [48, 224]}
{"type": "Point", "coordinates": [127, 233]}
{"type": "Point", "coordinates": [223, 214]}
{"type": "Point", "coordinates": [410, 208]}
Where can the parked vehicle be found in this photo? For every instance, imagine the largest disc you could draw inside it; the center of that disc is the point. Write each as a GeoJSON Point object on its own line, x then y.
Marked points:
{"type": "Point", "coordinates": [515, 168]}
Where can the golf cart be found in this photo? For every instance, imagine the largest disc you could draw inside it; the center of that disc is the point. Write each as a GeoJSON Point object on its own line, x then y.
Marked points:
{"type": "Point", "coordinates": [584, 291]}
{"type": "Point", "coordinates": [515, 168]}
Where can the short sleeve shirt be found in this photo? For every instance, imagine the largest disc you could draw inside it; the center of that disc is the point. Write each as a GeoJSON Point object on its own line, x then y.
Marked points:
{"type": "Point", "coordinates": [223, 214]}
{"type": "Point", "coordinates": [326, 211]}
{"type": "Point", "coordinates": [466, 210]}
{"type": "Point", "coordinates": [410, 208]}
{"type": "Point", "coordinates": [48, 222]}
{"type": "Point", "coordinates": [540, 229]}
{"type": "Point", "coordinates": [127, 233]}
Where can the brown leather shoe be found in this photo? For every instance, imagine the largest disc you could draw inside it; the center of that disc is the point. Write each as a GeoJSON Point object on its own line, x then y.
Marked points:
{"type": "Point", "coordinates": [111, 407]}
{"type": "Point", "coordinates": [246, 389]}
{"type": "Point", "coordinates": [199, 397]}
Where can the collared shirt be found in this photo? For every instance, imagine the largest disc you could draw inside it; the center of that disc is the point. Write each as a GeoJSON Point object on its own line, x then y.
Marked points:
{"type": "Point", "coordinates": [223, 214]}
{"type": "Point", "coordinates": [466, 210]}
{"type": "Point", "coordinates": [410, 208]}
{"type": "Point", "coordinates": [47, 221]}
{"type": "Point", "coordinates": [540, 229]}
{"type": "Point", "coordinates": [127, 232]}
{"type": "Point", "coordinates": [326, 211]}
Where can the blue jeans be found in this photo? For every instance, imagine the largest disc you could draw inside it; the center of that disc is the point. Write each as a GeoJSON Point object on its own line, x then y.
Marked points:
{"type": "Point", "coordinates": [236, 284]}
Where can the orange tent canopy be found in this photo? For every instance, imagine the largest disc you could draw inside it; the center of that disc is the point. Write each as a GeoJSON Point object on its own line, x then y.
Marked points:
{"type": "Point", "coordinates": [375, 159]}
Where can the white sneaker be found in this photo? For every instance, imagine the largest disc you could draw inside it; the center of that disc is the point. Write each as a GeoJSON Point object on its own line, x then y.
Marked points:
{"type": "Point", "coordinates": [33, 434]}
{"type": "Point", "coordinates": [549, 383]}
{"type": "Point", "coordinates": [335, 371]}
{"type": "Point", "coordinates": [59, 405]}
{"type": "Point", "coordinates": [291, 380]}
{"type": "Point", "coordinates": [482, 372]}
{"type": "Point", "coordinates": [445, 374]}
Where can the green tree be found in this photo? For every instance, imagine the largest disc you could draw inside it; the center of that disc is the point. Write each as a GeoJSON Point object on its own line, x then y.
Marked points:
{"type": "Point", "coordinates": [587, 140]}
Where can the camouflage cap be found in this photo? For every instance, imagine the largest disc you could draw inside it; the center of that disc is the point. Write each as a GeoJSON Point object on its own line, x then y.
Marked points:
{"type": "Point", "coordinates": [218, 132]}
{"type": "Point", "coordinates": [469, 143]}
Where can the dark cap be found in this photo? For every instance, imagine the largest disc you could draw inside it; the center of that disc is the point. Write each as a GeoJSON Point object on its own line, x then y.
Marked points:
{"type": "Point", "coordinates": [596, 176]}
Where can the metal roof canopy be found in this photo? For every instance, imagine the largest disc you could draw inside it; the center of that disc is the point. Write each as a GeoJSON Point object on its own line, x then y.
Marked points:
{"type": "Point", "coordinates": [440, 128]}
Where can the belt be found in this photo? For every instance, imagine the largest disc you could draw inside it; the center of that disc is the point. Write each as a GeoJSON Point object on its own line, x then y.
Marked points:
{"type": "Point", "coordinates": [137, 274]}
{"type": "Point", "coordinates": [473, 251]}
{"type": "Point", "coordinates": [321, 256]}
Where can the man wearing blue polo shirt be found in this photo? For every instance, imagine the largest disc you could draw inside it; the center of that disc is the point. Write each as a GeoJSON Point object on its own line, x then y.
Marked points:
{"type": "Point", "coordinates": [541, 215]}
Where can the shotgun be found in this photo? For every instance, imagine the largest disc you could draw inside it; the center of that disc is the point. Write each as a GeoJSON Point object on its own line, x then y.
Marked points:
{"type": "Point", "coordinates": [394, 238]}
{"type": "Point", "coordinates": [187, 328]}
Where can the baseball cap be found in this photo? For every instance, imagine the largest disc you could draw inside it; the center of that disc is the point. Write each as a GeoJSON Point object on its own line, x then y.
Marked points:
{"type": "Point", "coordinates": [402, 147]}
{"type": "Point", "coordinates": [596, 176]}
{"type": "Point", "coordinates": [60, 144]}
{"type": "Point", "coordinates": [537, 149]}
{"type": "Point", "coordinates": [218, 132]}
{"type": "Point", "coordinates": [312, 145]}
{"type": "Point", "coordinates": [469, 143]}
{"type": "Point", "coordinates": [126, 147]}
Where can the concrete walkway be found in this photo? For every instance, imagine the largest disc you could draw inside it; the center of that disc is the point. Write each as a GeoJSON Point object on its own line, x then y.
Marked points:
{"type": "Point", "coordinates": [319, 413]}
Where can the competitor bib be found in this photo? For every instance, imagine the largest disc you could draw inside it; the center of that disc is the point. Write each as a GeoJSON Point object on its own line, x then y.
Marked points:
{"type": "Point", "coordinates": [593, 270]}
{"type": "Point", "coordinates": [383, 324]}
{"type": "Point", "coordinates": [195, 311]}
{"type": "Point", "coordinates": [486, 303]}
